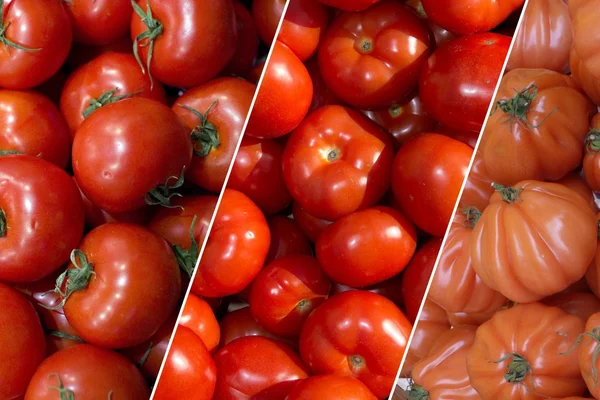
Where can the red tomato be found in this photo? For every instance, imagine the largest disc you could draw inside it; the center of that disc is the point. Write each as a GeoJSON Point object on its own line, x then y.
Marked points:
{"type": "Point", "coordinates": [82, 54]}
{"type": "Point", "coordinates": [367, 247]}
{"type": "Point", "coordinates": [337, 162]}
{"type": "Point", "coordinates": [391, 288]}
{"type": "Point", "coordinates": [284, 96]}
{"type": "Point", "coordinates": [459, 79]}
{"type": "Point", "coordinates": [41, 218]}
{"type": "Point", "coordinates": [34, 43]}
{"type": "Point", "coordinates": [303, 27]}
{"type": "Point", "coordinates": [310, 225]}
{"type": "Point", "coordinates": [322, 95]}
{"type": "Point", "coordinates": [350, 5]}
{"type": "Point", "coordinates": [22, 345]}
{"type": "Point", "coordinates": [113, 163]}
{"type": "Point", "coordinates": [99, 22]}
{"type": "Point", "coordinates": [252, 365]}
{"type": "Point", "coordinates": [215, 113]}
{"type": "Point", "coordinates": [330, 387]}
{"type": "Point", "coordinates": [372, 59]}
{"type": "Point", "coordinates": [440, 35]}
{"type": "Point", "coordinates": [31, 124]}
{"type": "Point", "coordinates": [176, 29]}
{"type": "Point", "coordinates": [286, 238]}
{"type": "Point", "coordinates": [86, 371]}
{"type": "Point", "coordinates": [358, 334]}
{"type": "Point", "coordinates": [267, 14]}
{"type": "Point", "coordinates": [104, 80]}
{"type": "Point", "coordinates": [241, 323]}
{"type": "Point", "coordinates": [247, 44]}
{"type": "Point", "coordinates": [429, 171]}
{"type": "Point", "coordinates": [198, 317]}
{"type": "Point", "coordinates": [467, 137]}
{"type": "Point", "coordinates": [126, 285]}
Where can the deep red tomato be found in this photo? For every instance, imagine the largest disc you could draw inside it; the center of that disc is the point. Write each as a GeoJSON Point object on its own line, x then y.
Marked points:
{"type": "Point", "coordinates": [417, 274]}
{"type": "Point", "coordinates": [241, 323]}
{"type": "Point", "coordinates": [367, 247]}
{"type": "Point", "coordinates": [193, 40]}
{"type": "Point", "coordinates": [31, 124]}
{"type": "Point", "coordinates": [373, 58]}
{"type": "Point", "coordinates": [247, 43]}
{"type": "Point", "coordinates": [41, 218]}
{"type": "Point", "coordinates": [82, 54]}
{"type": "Point", "coordinates": [286, 238]}
{"type": "Point", "coordinates": [391, 288]}
{"type": "Point", "coordinates": [252, 365]}
{"type": "Point", "coordinates": [458, 82]}
{"type": "Point", "coordinates": [337, 162]}
{"type": "Point", "coordinates": [331, 387]}
{"type": "Point", "coordinates": [310, 225]}
{"type": "Point", "coordinates": [34, 43]}
{"type": "Point", "coordinates": [199, 317]}
{"type": "Point", "coordinates": [99, 22]}
{"type": "Point", "coordinates": [322, 95]}
{"type": "Point", "coordinates": [215, 113]}
{"type": "Point", "coordinates": [284, 97]}
{"type": "Point", "coordinates": [113, 163]}
{"type": "Point", "coordinates": [126, 285]}
{"type": "Point", "coordinates": [429, 171]}
{"type": "Point", "coordinates": [350, 5]}
{"type": "Point", "coordinates": [358, 334]}
{"type": "Point", "coordinates": [467, 137]}
{"type": "Point", "coordinates": [102, 81]}
{"type": "Point", "coordinates": [236, 248]}
{"type": "Point", "coordinates": [256, 72]}
{"type": "Point", "coordinates": [267, 14]}
{"type": "Point", "coordinates": [303, 26]}
{"type": "Point", "coordinates": [22, 345]}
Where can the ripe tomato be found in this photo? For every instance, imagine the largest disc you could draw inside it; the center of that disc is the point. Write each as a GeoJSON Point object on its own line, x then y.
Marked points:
{"type": "Point", "coordinates": [85, 371]}
{"type": "Point", "coordinates": [588, 362]}
{"type": "Point", "coordinates": [35, 41]}
{"type": "Point", "coordinates": [350, 5]}
{"type": "Point", "coordinates": [367, 247]}
{"type": "Point", "coordinates": [592, 275]}
{"type": "Point", "coordinates": [582, 305]}
{"type": "Point", "coordinates": [478, 187]}
{"type": "Point", "coordinates": [333, 147]}
{"type": "Point", "coordinates": [215, 113]}
{"type": "Point", "coordinates": [175, 29]}
{"type": "Point", "coordinates": [428, 173]}
{"type": "Point", "coordinates": [247, 43]}
{"type": "Point", "coordinates": [286, 238]}
{"type": "Point", "coordinates": [358, 334]}
{"type": "Point", "coordinates": [303, 26]}
{"type": "Point", "coordinates": [41, 218]}
{"type": "Point", "coordinates": [310, 225]}
{"type": "Point", "coordinates": [440, 35]}
{"type": "Point", "coordinates": [584, 65]}
{"type": "Point", "coordinates": [99, 22]}
{"type": "Point", "coordinates": [189, 371]}
{"type": "Point", "coordinates": [391, 289]}
{"type": "Point", "coordinates": [267, 14]}
{"type": "Point", "coordinates": [199, 317]}
{"type": "Point", "coordinates": [322, 95]}
{"type": "Point", "coordinates": [467, 137]}
{"type": "Point", "coordinates": [459, 79]}
{"type": "Point", "coordinates": [577, 183]}
{"type": "Point", "coordinates": [591, 158]}
{"type": "Point", "coordinates": [330, 387]}
{"type": "Point", "coordinates": [241, 323]}
{"type": "Point", "coordinates": [31, 124]}
{"type": "Point", "coordinates": [102, 81]}
{"type": "Point", "coordinates": [81, 54]}
{"type": "Point", "coordinates": [113, 164]}
{"type": "Point", "coordinates": [372, 59]}
{"type": "Point", "coordinates": [284, 97]}
{"type": "Point", "coordinates": [126, 285]}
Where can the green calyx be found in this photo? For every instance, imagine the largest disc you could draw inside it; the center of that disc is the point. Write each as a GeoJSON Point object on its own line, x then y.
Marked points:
{"type": "Point", "coordinates": [187, 258]}
{"type": "Point", "coordinates": [509, 194]}
{"type": "Point", "coordinates": [161, 195]}
{"type": "Point", "coordinates": [205, 136]}
{"type": "Point", "coordinates": [594, 334]}
{"type": "Point", "coordinates": [144, 358]}
{"type": "Point", "coordinates": [146, 38]}
{"type": "Point", "coordinates": [518, 369]}
{"type": "Point", "coordinates": [518, 107]}
{"type": "Point", "coordinates": [106, 98]}
{"type": "Point", "coordinates": [73, 279]}
{"type": "Point", "coordinates": [3, 226]}
{"type": "Point", "coordinates": [472, 215]}
{"type": "Point", "coordinates": [64, 335]}
{"type": "Point", "coordinates": [416, 392]}
{"type": "Point", "coordinates": [4, 27]}
{"type": "Point", "coordinates": [592, 141]}
{"type": "Point", "coordinates": [64, 393]}
{"type": "Point", "coordinates": [9, 152]}
{"type": "Point", "coordinates": [395, 110]}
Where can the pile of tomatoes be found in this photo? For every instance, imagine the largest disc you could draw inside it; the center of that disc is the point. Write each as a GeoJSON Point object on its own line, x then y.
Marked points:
{"type": "Point", "coordinates": [513, 311]}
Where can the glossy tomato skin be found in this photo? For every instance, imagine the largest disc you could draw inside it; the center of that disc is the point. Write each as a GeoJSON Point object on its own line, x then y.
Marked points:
{"type": "Point", "coordinates": [105, 73]}
{"type": "Point", "coordinates": [440, 34]}
{"type": "Point", "coordinates": [38, 201]}
{"type": "Point", "coordinates": [303, 27]}
{"type": "Point", "coordinates": [113, 164]}
{"type": "Point", "coordinates": [99, 23]}
{"type": "Point", "coordinates": [33, 24]}
{"type": "Point", "coordinates": [591, 158]}
{"type": "Point", "coordinates": [88, 371]}
{"type": "Point", "coordinates": [333, 147]}
{"type": "Point", "coordinates": [584, 66]}
{"type": "Point", "coordinates": [266, 14]}
{"type": "Point", "coordinates": [478, 187]}
{"type": "Point", "coordinates": [372, 59]}
{"type": "Point", "coordinates": [134, 290]}
{"type": "Point", "coordinates": [247, 41]}
{"type": "Point", "coordinates": [592, 275]}
{"type": "Point", "coordinates": [310, 225]}
{"type": "Point", "coordinates": [178, 60]}
{"type": "Point", "coordinates": [350, 5]}
{"type": "Point", "coordinates": [286, 238]}
{"type": "Point", "coordinates": [587, 363]}
{"type": "Point", "coordinates": [391, 289]}
{"type": "Point", "coordinates": [582, 305]}
{"type": "Point", "coordinates": [200, 319]}
{"type": "Point", "coordinates": [367, 247]}
{"type": "Point", "coordinates": [428, 173]}
{"type": "Point", "coordinates": [241, 323]}
{"type": "Point", "coordinates": [358, 334]}
{"type": "Point", "coordinates": [577, 183]}
{"type": "Point", "coordinates": [458, 81]}
{"type": "Point", "coordinates": [331, 387]}
{"type": "Point", "coordinates": [31, 124]}
{"type": "Point", "coordinates": [22, 343]}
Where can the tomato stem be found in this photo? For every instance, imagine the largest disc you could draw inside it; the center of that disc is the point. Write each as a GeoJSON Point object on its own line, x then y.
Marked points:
{"type": "Point", "coordinates": [595, 335]}
{"type": "Point", "coordinates": [333, 155]}
{"type": "Point", "coordinates": [187, 258]}
{"type": "Point", "coordinates": [517, 369]}
{"type": "Point", "coordinates": [161, 194]}
{"type": "Point", "coordinates": [356, 361]}
{"type": "Point", "coordinates": [73, 279]}
{"type": "Point", "coordinates": [144, 358]}
{"type": "Point", "coordinates": [2, 223]}
{"type": "Point", "coordinates": [518, 106]}
{"type": "Point", "coordinates": [105, 99]}
{"type": "Point", "coordinates": [9, 152]}
{"type": "Point", "coordinates": [416, 392]}
{"type": "Point", "coordinates": [473, 214]}
{"type": "Point", "coordinates": [205, 134]}
{"type": "Point", "coordinates": [65, 394]}
{"type": "Point", "coordinates": [509, 194]}
{"type": "Point", "coordinates": [64, 335]}
{"type": "Point", "coordinates": [592, 141]}
{"type": "Point", "coordinates": [146, 38]}
{"type": "Point", "coordinates": [6, 41]}
{"type": "Point", "coordinates": [395, 110]}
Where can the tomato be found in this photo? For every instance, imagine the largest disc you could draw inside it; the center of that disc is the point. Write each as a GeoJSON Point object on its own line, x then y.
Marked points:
{"type": "Point", "coordinates": [310, 225]}
{"type": "Point", "coordinates": [592, 275]}
{"type": "Point", "coordinates": [588, 362]}
{"type": "Point", "coordinates": [525, 350]}
{"type": "Point", "coordinates": [440, 35]}
{"type": "Point", "coordinates": [215, 113]}
{"type": "Point", "coordinates": [332, 147]}
{"type": "Point", "coordinates": [286, 238]}
{"type": "Point", "coordinates": [330, 387]}
{"type": "Point", "coordinates": [391, 289]}
{"type": "Point", "coordinates": [358, 334]}
{"type": "Point", "coordinates": [89, 371]}
{"type": "Point", "coordinates": [113, 164]}
{"type": "Point", "coordinates": [461, 318]}
{"type": "Point", "coordinates": [428, 173]}
{"type": "Point", "coordinates": [540, 141]}
{"type": "Point", "coordinates": [284, 97]}
{"type": "Point", "coordinates": [350, 5]}
{"type": "Point", "coordinates": [22, 344]}
{"type": "Point", "coordinates": [577, 183]}
{"type": "Point", "coordinates": [247, 44]}
{"type": "Point", "coordinates": [556, 254]}
{"type": "Point", "coordinates": [31, 124]}
{"type": "Point", "coordinates": [417, 274]}
{"type": "Point", "coordinates": [250, 366]}
{"type": "Point", "coordinates": [584, 66]}
{"type": "Point", "coordinates": [372, 59]}
{"type": "Point", "coordinates": [99, 22]}
{"type": "Point", "coordinates": [102, 81]}
{"type": "Point", "coordinates": [322, 95]}
{"type": "Point", "coordinates": [257, 173]}
{"type": "Point", "coordinates": [459, 79]}
{"type": "Point", "coordinates": [582, 305]}
{"type": "Point", "coordinates": [256, 72]}
{"type": "Point", "coordinates": [367, 247]}
{"type": "Point", "coordinates": [192, 41]}
{"type": "Point", "coordinates": [267, 14]}
{"type": "Point", "coordinates": [591, 158]}
{"type": "Point", "coordinates": [236, 249]}
{"type": "Point", "coordinates": [303, 27]}
{"type": "Point", "coordinates": [241, 323]}
{"type": "Point", "coordinates": [81, 54]}
{"type": "Point", "coordinates": [199, 317]}
{"type": "Point", "coordinates": [467, 137]}
{"type": "Point", "coordinates": [35, 41]}
{"type": "Point", "coordinates": [478, 187]}
{"type": "Point", "coordinates": [41, 218]}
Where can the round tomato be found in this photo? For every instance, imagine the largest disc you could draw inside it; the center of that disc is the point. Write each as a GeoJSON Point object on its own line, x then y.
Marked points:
{"type": "Point", "coordinates": [310, 225]}
{"type": "Point", "coordinates": [358, 334]}
{"type": "Point", "coordinates": [577, 183]}
{"type": "Point", "coordinates": [330, 387]}
{"type": "Point", "coordinates": [199, 317]}
{"type": "Point", "coordinates": [99, 22]}
{"type": "Point", "coordinates": [191, 41]}
{"type": "Point", "coordinates": [286, 238]}
{"type": "Point", "coordinates": [247, 43]}
{"type": "Point", "coordinates": [584, 65]}
{"type": "Point", "coordinates": [303, 26]}
{"type": "Point", "coordinates": [591, 158]}
{"type": "Point", "coordinates": [588, 361]}
{"type": "Point", "coordinates": [372, 59]}
{"type": "Point", "coordinates": [267, 14]}
{"type": "Point", "coordinates": [350, 5]}
{"type": "Point", "coordinates": [582, 305]}
{"type": "Point", "coordinates": [241, 323]}
{"type": "Point", "coordinates": [478, 187]}
{"type": "Point", "coordinates": [428, 173]}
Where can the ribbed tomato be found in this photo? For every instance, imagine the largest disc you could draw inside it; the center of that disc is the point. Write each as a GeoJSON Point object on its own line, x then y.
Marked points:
{"type": "Point", "coordinates": [585, 66]}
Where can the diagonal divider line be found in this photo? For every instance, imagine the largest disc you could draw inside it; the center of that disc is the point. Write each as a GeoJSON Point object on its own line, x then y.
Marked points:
{"type": "Point", "coordinates": [437, 260]}
{"type": "Point", "coordinates": [212, 220]}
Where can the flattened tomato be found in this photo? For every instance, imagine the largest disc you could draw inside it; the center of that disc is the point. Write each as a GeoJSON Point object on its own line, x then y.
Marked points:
{"type": "Point", "coordinates": [330, 387]}
{"type": "Point", "coordinates": [99, 22]}
{"type": "Point", "coordinates": [583, 61]}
